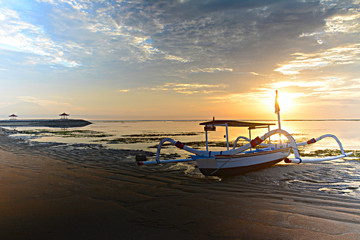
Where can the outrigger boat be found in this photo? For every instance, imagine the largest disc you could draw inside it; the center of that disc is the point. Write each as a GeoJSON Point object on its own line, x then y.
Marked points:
{"type": "Point", "coordinates": [254, 155]}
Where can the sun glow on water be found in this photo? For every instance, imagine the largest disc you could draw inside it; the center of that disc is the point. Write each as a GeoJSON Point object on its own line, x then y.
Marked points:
{"type": "Point", "coordinates": [277, 138]}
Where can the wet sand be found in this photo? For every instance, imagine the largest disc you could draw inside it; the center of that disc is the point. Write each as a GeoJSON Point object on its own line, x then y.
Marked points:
{"type": "Point", "coordinates": [61, 193]}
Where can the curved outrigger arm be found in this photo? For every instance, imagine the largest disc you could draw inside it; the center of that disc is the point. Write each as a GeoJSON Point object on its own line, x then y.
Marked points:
{"type": "Point", "coordinates": [238, 138]}
{"type": "Point", "coordinates": [175, 143]}
{"type": "Point", "coordinates": [295, 146]}
{"type": "Point", "coordinates": [314, 140]}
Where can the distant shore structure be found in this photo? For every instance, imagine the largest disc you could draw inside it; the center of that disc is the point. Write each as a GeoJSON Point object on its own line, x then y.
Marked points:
{"type": "Point", "coordinates": [64, 115]}
{"type": "Point", "coordinates": [13, 117]}
{"type": "Point", "coordinates": [63, 122]}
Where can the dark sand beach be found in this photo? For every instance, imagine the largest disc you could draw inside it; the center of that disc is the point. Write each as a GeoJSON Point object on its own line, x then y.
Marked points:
{"type": "Point", "coordinates": [77, 193]}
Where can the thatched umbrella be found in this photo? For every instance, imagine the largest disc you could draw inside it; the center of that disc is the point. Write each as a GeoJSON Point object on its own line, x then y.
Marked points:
{"type": "Point", "coordinates": [63, 115]}
{"type": "Point", "coordinates": [13, 117]}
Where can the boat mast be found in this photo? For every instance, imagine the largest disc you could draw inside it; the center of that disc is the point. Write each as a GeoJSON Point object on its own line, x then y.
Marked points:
{"type": "Point", "coordinates": [277, 109]}
{"type": "Point", "coordinates": [206, 140]}
{"type": "Point", "coordinates": [227, 136]}
{"type": "Point", "coordinates": [250, 137]}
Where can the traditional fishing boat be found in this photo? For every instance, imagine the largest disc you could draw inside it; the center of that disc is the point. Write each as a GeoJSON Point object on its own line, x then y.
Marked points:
{"type": "Point", "coordinates": [235, 161]}
{"type": "Point", "coordinates": [254, 155]}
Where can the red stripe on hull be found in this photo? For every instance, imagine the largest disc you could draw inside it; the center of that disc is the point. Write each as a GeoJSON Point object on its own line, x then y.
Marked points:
{"type": "Point", "coordinates": [228, 172]}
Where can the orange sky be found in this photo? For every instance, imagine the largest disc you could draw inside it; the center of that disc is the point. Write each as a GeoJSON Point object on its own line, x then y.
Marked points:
{"type": "Point", "coordinates": [180, 59]}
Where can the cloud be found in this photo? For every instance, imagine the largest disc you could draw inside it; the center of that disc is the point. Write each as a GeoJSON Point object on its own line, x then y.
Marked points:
{"type": "Point", "coordinates": [211, 70]}
{"type": "Point", "coordinates": [42, 102]}
{"type": "Point", "coordinates": [335, 56]}
{"type": "Point", "coordinates": [343, 25]}
{"type": "Point", "coordinates": [324, 85]}
{"type": "Point", "coordinates": [21, 36]}
{"type": "Point", "coordinates": [123, 90]}
{"type": "Point", "coordinates": [78, 5]}
{"type": "Point", "coordinates": [300, 84]}
{"type": "Point", "coordinates": [346, 23]}
{"type": "Point", "coordinates": [326, 91]}
{"type": "Point", "coordinates": [175, 58]}
{"type": "Point", "coordinates": [204, 33]}
{"type": "Point", "coordinates": [254, 73]}
{"type": "Point", "coordinates": [124, 30]}
{"type": "Point", "coordinates": [190, 88]}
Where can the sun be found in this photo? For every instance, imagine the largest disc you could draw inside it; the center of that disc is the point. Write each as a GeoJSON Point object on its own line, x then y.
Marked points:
{"type": "Point", "coordinates": [285, 100]}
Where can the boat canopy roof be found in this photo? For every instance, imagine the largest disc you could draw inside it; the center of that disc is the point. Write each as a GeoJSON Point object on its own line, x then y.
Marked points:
{"type": "Point", "coordinates": [234, 123]}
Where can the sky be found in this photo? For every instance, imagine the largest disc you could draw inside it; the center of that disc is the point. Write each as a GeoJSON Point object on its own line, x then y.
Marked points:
{"type": "Point", "coordinates": [180, 59]}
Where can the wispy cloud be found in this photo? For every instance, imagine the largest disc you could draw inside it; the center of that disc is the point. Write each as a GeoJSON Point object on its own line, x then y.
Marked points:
{"type": "Point", "coordinates": [347, 23]}
{"type": "Point", "coordinates": [339, 91]}
{"type": "Point", "coordinates": [190, 88]}
{"type": "Point", "coordinates": [76, 4]}
{"type": "Point", "coordinates": [334, 56]}
{"type": "Point", "coordinates": [326, 90]}
{"type": "Point", "coordinates": [21, 36]}
{"type": "Point", "coordinates": [123, 90]}
{"type": "Point", "coordinates": [300, 84]}
{"type": "Point", "coordinates": [310, 88]}
{"type": "Point", "coordinates": [337, 37]}
{"type": "Point", "coordinates": [175, 58]}
{"type": "Point", "coordinates": [211, 70]}
{"type": "Point", "coordinates": [344, 23]}
{"type": "Point", "coordinates": [117, 24]}
{"type": "Point", "coordinates": [42, 102]}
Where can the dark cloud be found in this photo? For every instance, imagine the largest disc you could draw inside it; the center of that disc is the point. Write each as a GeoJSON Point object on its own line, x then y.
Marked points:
{"type": "Point", "coordinates": [191, 9]}
{"type": "Point", "coordinates": [226, 31]}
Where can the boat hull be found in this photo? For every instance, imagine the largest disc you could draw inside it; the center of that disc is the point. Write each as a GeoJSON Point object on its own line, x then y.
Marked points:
{"type": "Point", "coordinates": [230, 165]}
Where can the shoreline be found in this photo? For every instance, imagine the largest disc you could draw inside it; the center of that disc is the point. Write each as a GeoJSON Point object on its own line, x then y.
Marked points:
{"type": "Point", "coordinates": [83, 193]}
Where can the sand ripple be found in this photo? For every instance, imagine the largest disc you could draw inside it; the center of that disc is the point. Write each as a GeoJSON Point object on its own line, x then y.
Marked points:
{"type": "Point", "coordinates": [82, 185]}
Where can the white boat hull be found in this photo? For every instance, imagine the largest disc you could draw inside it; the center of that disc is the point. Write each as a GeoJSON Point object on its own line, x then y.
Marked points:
{"type": "Point", "coordinates": [230, 165]}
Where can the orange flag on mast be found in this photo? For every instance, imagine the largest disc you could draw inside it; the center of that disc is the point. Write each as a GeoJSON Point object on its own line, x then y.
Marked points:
{"type": "Point", "coordinates": [277, 107]}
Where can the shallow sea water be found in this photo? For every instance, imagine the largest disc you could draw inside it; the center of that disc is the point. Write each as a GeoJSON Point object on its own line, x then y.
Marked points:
{"type": "Point", "coordinates": [87, 177]}
{"type": "Point", "coordinates": [148, 133]}
{"type": "Point", "coordinates": [340, 178]}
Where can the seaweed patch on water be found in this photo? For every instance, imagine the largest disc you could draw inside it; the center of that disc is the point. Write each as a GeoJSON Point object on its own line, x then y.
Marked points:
{"type": "Point", "coordinates": [327, 153]}
{"type": "Point", "coordinates": [128, 140]}
{"type": "Point", "coordinates": [163, 135]}
{"type": "Point", "coordinates": [200, 144]}
{"type": "Point", "coordinates": [195, 145]}
{"type": "Point", "coordinates": [143, 138]}
{"type": "Point", "coordinates": [66, 133]}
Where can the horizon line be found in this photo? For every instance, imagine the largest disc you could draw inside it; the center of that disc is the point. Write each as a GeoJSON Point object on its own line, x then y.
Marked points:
{"type": "Point", "coordinates": [266, 120]}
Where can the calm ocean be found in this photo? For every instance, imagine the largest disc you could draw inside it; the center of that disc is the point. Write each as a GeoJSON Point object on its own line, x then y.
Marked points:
{"type": "Point", "coordinates": [339, 178]}
{"type": "Point", "coordinates": [145, 135]}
